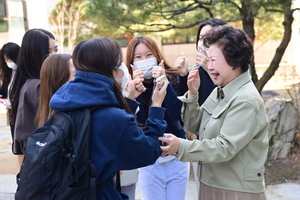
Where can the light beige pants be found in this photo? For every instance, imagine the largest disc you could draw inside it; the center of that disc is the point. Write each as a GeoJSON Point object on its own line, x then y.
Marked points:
{"type": "Point", "coordinates": [211, 193]}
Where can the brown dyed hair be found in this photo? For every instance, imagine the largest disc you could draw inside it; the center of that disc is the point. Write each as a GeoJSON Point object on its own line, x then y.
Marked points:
{"type": "Point", "coordinates": [54, 73]}
{"type": "Point", "coordinates": [102, 56]}
{"type": "Point", "coordinates": [152, 46]}
{"type": "Point", "coordinates": [235, 45]}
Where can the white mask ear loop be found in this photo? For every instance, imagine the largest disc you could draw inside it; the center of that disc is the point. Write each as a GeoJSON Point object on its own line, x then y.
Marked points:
{"type": "Point", "coordinates": [125, 78]}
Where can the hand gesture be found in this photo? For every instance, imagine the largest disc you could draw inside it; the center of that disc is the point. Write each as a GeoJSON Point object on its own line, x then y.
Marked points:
{"type": "Point", "coordinates": [159, 70]}
{"type": "Point", "coordinates": [193, 82]}
{"type": "Point", "coordinates": [182, 65]}
{"type": "Point", "coordinates": [137, 73]}
{"type": "Point", "coordinates": [135, 88]}
{"type": "Point", "coordinates": [172, 144]}
{"type": "Point", "coordinates": [201, 58]}
{"type": "Point", "coordinates": [159, 93]}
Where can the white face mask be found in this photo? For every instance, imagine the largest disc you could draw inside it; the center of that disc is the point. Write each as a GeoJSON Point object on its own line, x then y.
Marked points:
{"type": "Point", "coordinates": [146, 66]}
{"type": "Point", "coordinates": [12, 65]}
{"type": "Point", "coordinates": [200, 44]}
{"type": "Point", "coordinates": [125, 79]}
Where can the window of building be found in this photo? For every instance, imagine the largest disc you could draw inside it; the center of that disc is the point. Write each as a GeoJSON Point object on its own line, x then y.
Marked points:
{"type": "Point", "coordinates": [179, 39]}
{"type": "Point", "coordinates": [122, 41]}
{"type": "Point", "coordinates": [3, 17]}
{"type": "Point", "coordinates": [2, 9]}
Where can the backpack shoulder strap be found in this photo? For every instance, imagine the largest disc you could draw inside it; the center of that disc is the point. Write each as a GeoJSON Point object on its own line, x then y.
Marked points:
{"type": "Point", "coordinates": [81, 115]}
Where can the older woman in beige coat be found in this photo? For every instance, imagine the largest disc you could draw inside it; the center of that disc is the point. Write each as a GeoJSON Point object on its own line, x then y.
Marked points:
{"type": "Point", "coordinates": [231, 124]}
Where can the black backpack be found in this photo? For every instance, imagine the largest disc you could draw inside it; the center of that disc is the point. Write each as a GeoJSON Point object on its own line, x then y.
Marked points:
{"type": "Point", "coordinates": [57, 163]}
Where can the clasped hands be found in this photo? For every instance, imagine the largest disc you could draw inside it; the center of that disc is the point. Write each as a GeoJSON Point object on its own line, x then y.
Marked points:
{"type": "Point", "coordinates": [172, 144]}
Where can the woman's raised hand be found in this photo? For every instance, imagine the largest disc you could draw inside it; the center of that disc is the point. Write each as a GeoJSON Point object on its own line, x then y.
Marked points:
{"type": "Point", "coordinates": [159, 93]}
{"type": "Point", "coordinates": [193, 82]}
{"type": "Point", "coordinates": [201, 58]}
{"type": "Point", "coordinates": [137, 73]}
{"type": "Point", "coordinates": [182, 65]}
{"type": "Point", "coordinates": [135, 88]}
{"type": "Point", "coordinates": [159, 70]}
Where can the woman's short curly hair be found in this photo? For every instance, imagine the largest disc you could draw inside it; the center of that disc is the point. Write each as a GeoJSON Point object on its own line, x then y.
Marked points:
{"type": "Point", "coordinates": [236, 45]}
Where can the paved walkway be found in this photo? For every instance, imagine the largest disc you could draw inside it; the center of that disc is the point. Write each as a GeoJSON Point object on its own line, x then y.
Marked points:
{"type": "Point", "coordinates": [287, 191]}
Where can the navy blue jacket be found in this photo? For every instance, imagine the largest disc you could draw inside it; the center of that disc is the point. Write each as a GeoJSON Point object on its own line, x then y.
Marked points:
{"type": "Point", "coordinates": [117, 143]}
{"type": "Point", "coordinates": [171, 103]}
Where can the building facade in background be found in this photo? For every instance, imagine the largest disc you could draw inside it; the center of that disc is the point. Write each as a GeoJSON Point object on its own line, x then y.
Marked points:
{"type": "Point", "coordinates": [17, 16]}
{"type": "Point", "coordinates": [11, 21]}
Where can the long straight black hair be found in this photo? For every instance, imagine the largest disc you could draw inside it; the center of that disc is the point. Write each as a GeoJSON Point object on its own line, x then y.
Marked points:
{"type": "Point", "coordinates": [34, 50]}
{"type": "Point", "coordinates": [11, 51]}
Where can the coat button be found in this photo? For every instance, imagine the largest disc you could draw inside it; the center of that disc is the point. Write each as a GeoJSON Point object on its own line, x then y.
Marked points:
{"type": "Point", "coordinates": [259, 174]}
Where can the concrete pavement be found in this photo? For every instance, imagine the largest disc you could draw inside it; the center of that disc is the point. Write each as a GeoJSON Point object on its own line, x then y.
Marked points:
{"type": "Point", "coordinates": [286, 191]}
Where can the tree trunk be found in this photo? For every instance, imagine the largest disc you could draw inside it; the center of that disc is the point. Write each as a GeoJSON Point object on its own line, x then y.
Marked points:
{"type": "Point", "coordinates": [248, 26]}
{"type": "Point", "coordinates": [287, 23]}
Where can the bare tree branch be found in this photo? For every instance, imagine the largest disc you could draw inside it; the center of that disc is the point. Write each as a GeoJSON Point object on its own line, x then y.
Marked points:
{"type": "Point", "coordinates": [287, 23]}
